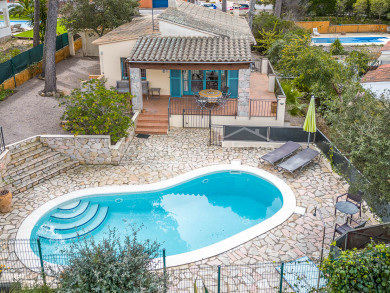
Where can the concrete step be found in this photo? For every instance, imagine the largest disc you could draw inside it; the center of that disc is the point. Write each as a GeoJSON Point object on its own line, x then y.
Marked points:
{"type": "Point", "coordinates": [25, 149]}
{"type": "Point", "coordinates": [152, 124]}
{"type": "Point", "coordinates": [151, 130]}
{"type": "Point", "coordinates": [24, 167]}
{"type": "Point", "coordinates": [32, 155]}
{"type": "Point", "coordinates": [40, 170]}
{"type": "Point", "coordinates": [152, 118]}
{"type": "Point", "coordinates": [45, 176]}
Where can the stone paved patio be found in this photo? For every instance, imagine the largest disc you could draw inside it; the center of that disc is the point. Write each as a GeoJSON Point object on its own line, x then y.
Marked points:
{"type": "Point", "coordinates": [162, 157]}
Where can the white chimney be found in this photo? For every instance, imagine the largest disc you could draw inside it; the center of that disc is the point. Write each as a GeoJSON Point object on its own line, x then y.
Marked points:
{"type": "Point", "coordinates": [172, 4]}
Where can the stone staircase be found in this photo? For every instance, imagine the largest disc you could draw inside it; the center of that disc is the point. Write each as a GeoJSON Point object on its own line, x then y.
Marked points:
{"type": "Point", "coordinates": [32, 163]}
{"type": "Point", "coordinates": [152, 124]}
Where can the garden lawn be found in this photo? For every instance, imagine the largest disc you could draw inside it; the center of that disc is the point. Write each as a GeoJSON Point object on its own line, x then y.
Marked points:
{"type": "Point", "coordinates": [29, 34]}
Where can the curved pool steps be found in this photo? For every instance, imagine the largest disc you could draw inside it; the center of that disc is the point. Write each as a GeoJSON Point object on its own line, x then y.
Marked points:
{"type": "Point", "coordinates": [93, 225]}
{"type": "Point", "coordinates": [70, 206]}
{"type": "Point", "coordinates": [87, 217]}
{"type": "Point", "coordinates": [76, 212]}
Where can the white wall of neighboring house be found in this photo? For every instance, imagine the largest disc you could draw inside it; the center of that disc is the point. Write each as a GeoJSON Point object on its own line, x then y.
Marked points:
{"type": "Point", "coordinates": [5, 25]}
{"type": "Point", "coordinates": [377, 87]}
{"type": "Point", "coordinates": [88, 48]}
{"type": "Point", "coordinates": [385, 57]}
{"type": "Point", "coordinates": [110, 55]}
{"type": "Point", "coordinates": [170, 29]}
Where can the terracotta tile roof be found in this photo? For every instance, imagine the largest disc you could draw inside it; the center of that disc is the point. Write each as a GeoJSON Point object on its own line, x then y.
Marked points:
{"type": "Point", "coordinates": [386, 47]}
{"type": "Point", "coordinates": [190, 49]}
{"type": "Point", "coordinates": [210, 21]}
{"type": "Point", "coordinates": [382, 73]}
{"type": "Point", "coordinates": [139, 26]}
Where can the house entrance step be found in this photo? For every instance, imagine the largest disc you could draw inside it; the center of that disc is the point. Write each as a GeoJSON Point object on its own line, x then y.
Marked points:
{"type": "Point", "coordinates": [152, 124]}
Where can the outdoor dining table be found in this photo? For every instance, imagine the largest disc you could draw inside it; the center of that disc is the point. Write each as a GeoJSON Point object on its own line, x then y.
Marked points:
{"type": "Point", "coordinates": [211, 95]}
{"type": "Point", "coordinates": [347, 207]}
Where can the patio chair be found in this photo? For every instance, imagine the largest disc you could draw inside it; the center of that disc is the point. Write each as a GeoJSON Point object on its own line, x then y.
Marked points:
{"type": "Point", "coordinates": [145, 89]}
{"type": "Point", "coordinates": [356, 199]}
{"type": "Point", "coordinates": [280, 153]}
{"type": "Point", "coordinates": [201, 102]}
{"type": "Point", "coordinates": [225, 90]}
{"type": "Point", "coordinates": [122, 86]}
{"type": "Point", "coordinates": [16, 28]}
{"type": "Point", "coordinates": [341, 229]}
{"type": "Point", "coordinates": [315, 32]}
{"type": "Point", "coordinates": [299, 161]}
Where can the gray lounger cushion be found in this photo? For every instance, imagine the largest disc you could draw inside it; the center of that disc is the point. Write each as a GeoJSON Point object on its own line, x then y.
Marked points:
{"type": "Point", "coordinates": [300, 160]}
{"type": "Point", "coordinates": [280, 153]}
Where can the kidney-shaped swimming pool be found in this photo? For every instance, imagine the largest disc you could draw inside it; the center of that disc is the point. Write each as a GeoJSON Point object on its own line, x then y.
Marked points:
{"type": "Point", "coordinates": [193, 216]}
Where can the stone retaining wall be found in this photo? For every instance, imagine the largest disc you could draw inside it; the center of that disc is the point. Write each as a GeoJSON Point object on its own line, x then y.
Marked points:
{"type": "Point", "coordinates": [91, 149]}
{"type": "Point", "coordinates": [87, 149]}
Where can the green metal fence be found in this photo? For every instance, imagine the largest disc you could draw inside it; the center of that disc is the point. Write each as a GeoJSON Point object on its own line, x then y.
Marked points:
{"type": "Point", "coordinates": [21, 62]}
{"type": "Point", "coordinates": [27, 265]}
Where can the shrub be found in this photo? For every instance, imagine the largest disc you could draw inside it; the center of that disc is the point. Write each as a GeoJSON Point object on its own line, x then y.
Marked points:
{"type": "Point", "coordinates": [293, 99]}
{"type": "Point", "coordinates": [366, 270]}
{"type": "Point", "coordinates": [97, 110]}
{"type": "Point", "coordinates": [112, 265]}
{"type": "Point", "coordinates": [337, 48]}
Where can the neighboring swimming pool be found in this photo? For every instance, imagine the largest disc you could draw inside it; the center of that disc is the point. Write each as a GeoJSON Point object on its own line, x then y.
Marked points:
{"type": "Point", "coordinates": [351, 40]}
{"type": "Point", "coordinates": [206, 211]}
{"type": "Point", "coordinates": [25, 23]}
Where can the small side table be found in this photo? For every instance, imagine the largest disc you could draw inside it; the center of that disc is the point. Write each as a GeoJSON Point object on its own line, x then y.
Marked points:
{"type": "Point", "coordinates": [155, 91]}
{"type": "Point", "coordinates": [347, 207]}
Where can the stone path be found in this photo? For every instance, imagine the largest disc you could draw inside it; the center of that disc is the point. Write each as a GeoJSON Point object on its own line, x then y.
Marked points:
{"type": "Point", "coordinates": [162, 157]}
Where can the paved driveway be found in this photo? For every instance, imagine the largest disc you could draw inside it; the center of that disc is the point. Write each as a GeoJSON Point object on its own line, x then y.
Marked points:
{"type": "Point", "coordinates": [26, 113]}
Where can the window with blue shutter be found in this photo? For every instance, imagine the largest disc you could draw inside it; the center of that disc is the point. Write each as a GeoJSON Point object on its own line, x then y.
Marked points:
{"type": "Point", "coordinates": [233, 83]}
{"type": "Point", "coordinates": [124, 69]}
{"type": "Point", "coordinates": [175, 83]}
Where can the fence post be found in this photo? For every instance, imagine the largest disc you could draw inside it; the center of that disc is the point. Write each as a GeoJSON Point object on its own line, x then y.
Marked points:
{"type": "Point", "coordinates": [281, 278]}
{"type": "Point", "coordinates": [41, 261]}
{"type": "Point", "coordinates": [164, 271]}
{"type": "Point", "coordinates": [219, 279]}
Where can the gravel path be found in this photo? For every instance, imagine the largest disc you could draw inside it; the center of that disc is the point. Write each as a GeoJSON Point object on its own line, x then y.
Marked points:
{"type": "Point", "coordinates": [26, 113]}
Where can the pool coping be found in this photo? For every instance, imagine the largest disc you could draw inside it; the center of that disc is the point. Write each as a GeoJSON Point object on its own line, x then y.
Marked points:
{"type": "Point", "coordinates": [289, 205]}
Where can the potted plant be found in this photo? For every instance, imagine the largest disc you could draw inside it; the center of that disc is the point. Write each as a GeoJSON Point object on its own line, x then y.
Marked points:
{"type": "Point", "coordinates": [5, 199]}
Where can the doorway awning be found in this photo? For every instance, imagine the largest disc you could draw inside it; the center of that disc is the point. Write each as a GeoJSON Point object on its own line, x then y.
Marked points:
{"type": "Point", "coordinates": [175, 52]}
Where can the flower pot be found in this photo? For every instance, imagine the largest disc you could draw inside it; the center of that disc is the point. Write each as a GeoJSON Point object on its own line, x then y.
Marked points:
{"type": "Point", "coordinates": [5, 201]}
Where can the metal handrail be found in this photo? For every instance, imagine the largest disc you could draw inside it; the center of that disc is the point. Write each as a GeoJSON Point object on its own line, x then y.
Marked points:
{"type": "Point", "coordinates": [2, 142]}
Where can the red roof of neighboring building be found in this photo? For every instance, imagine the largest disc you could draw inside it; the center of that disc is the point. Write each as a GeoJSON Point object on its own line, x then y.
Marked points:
{"type": "Point", "coordinates": [386, 47]}
{"type": "Point", "coordinates": [382, 73]}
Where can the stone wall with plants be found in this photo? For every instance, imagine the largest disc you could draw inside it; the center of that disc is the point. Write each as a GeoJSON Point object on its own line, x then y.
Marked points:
{"type": "Point", "coordinates": [91, 149]}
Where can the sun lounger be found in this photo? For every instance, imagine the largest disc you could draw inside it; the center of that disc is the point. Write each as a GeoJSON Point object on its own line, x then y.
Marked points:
{"type": "Point", "coordinates": [315, 32]}
{"type": "Point", "coordinates": [281, 153]}
{"type": "Point", "coordinates": [299, 160]}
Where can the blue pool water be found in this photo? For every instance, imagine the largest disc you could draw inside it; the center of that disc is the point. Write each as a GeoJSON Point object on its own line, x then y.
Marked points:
{"type": "Point", "coordinates": [25, 23]}
{"type": "Point", "coordinates": [351, 40]}
{"type": "Point", "coordinates": [186, 217]}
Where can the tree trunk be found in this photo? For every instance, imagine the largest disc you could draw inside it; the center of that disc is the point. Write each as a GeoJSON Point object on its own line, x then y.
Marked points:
{"type": "Point", "coordinates": [278, 8]}
{"type": "Point", "coordinates": [251, 12]}
{"type": "Point", "coordinates": [224, 5]}
{"type": "Point", "coordinates": [36, 23]}
{"type": "Point", "coordinates": [50, 46]}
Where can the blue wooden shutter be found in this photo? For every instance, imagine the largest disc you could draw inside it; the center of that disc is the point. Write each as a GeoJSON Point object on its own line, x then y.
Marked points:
{"type": "Point", "coordinates": [175, 83]}
{"type": "Point", "coordinates": [233, 83]}
{"type": "Point", "coordinates": [124, 69]}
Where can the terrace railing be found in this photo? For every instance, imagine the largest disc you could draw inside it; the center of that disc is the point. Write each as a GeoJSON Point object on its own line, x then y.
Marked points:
{"type": "Point", "coordinates": [177, 105]}
{"type": "Point", "coordinates": [263, 108]}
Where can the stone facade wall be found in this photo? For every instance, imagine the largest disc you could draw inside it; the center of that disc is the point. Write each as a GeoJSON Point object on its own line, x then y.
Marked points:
{"type": "Point", "coordinates": [244, 77]}
{"type": "Point", "coordinates": [136, 88]}
{"type": "Point", "coordinates": [91, 149]}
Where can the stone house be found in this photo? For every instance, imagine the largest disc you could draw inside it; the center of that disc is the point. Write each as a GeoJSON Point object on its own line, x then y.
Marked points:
{"type": "Point", "coordinates": [186, 49]}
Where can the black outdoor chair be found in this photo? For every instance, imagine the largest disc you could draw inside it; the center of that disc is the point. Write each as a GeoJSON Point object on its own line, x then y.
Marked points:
{"type": "Point", "coordinates": [355, 199]}
{"type": "Point", "coordinates": [201, 102]}
{"type": "Point", "coordinates": [341, 229]}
